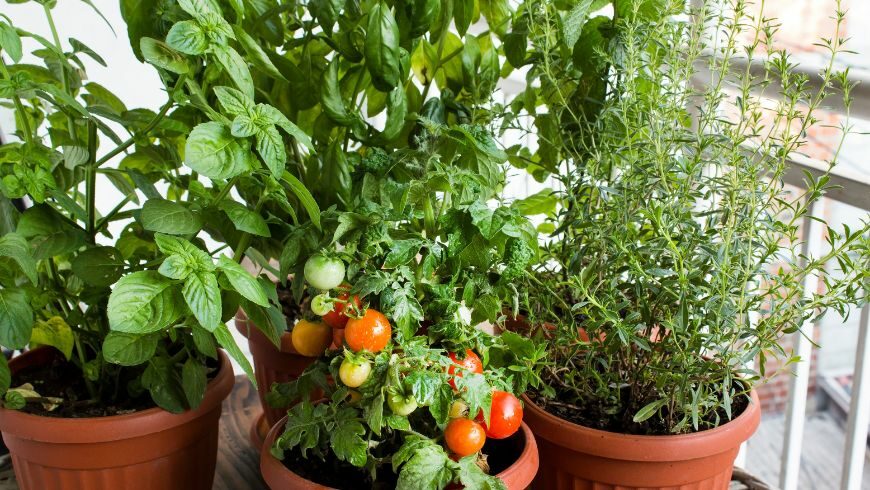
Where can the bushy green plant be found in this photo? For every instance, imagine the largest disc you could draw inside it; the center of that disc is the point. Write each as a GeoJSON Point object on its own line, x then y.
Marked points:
{"type": "Point", "coordinates": [138, 311]}
{"type": "Point", "coordinates": [676, 261]}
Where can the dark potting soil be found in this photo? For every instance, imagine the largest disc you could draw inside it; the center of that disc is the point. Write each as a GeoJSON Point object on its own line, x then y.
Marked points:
{"type": "Point", "coordinates": [64, 380]}
{"type": "Point", "coordinates": [344, 476]}
{"type": "Point", "coordinates": [291, 308]}
{"type": "Point", "coordinates": [591, 413]}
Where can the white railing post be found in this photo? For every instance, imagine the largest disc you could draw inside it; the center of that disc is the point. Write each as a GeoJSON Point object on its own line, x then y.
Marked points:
{"type": "Point", "coordinates": [798, 386]}
{"type": "Point", "coordinates": [859, 410]}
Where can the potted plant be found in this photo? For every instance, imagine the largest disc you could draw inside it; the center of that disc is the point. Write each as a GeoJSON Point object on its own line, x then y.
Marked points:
{"type": "Point", "coordinates": [417, 259]}
{"type": "Point", "coordinates": [333, 70]}
{"type": "Point", "coordinates": [675, 264]}
{"type": "Point", "coordinates": [129, 305]}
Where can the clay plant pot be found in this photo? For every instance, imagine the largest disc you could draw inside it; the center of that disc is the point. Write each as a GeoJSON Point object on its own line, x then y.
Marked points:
{"type": "Point", "coordinates": [517, 476]}
{"type": "Point", "coordinates": [573, 456]}
{"type": "Point", "coordinates": [271, 365]}
{"type": "Point", "coordinates": [139, 451]}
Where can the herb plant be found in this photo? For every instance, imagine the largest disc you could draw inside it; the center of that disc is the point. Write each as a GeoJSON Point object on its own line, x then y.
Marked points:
{"type": "Point", "coordinates": [676, 261]}
{"type": "Point", "coordinates": [139, 312]}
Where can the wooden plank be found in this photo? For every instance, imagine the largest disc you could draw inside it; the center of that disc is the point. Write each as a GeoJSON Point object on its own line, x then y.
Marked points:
{"type": "Point", "coordinates": [238, 463]}
{"type": "Point", "coordinates": [859, 410]}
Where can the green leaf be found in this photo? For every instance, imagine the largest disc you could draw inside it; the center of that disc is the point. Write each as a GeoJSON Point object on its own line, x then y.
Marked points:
{"type": "Point", "coordinates": [49, 233]}
{"type": "Point", "coordinates": [471, 476]}
{"type": "Point", "coordinates": [424, 385]}
{"type": "Point", "coordinates": [5, 375]}
{"type": "Point", "coordinates": [243, 282]}
{"type": "Point", "coordinates": [476, 392]}
{"type": "Point", "coordinates": [463, 14]}
{"type": "Point", "coordinates": [163, 56]}
{"type": "Point", "coordinates": [203, 297]}
{"type": "Point", "coordinates": [187, 37]}
{"type": "Point", "coordinates": [193, 381]}
{"type": "Point", "coordinates": [270, 146]}
{"type": "Point", "coordinates": [162, 216]}
{"type": "Point", "coordinates": [175, 267]}
{"type": "Point", "coordinates": [14, 246]}
{"type": "Point", "coordinates": [429, 467]}
{"type": "Point", "coordinates": [305, 197]}
{"type": "Point", "coordinates": [10, 42]}
{"type": "Point", "coordinates": [244, 126]}
{"type": "Point", "coordinates": [244, 219]}
{"type": "Point", "coordinates": [382, 48]}
{"type": "Point", "coordinates": [575, 19]}
{"type": "Point", "coordinates": [143, 302]}
{"type": "Point", "coordinates": [204, 341]}
{"type": "Point", "coordinates": [347, 442]}
{"type": "Point", "coordinates": [402, 252]}
{"type": "Point", "coordinates": [542, 202]}
{"type": "Point", "coordinates": [128, 349]}
{"type": "Point", "coordinates": [54, 332]}
{"type": "Point", "coordinates": [497, 14]}
{"type": "Point", "coordinates": [649, 410]}
{"type": "Point", "coordinates": [234, 101]}
{"type": "Point", "coordinates": [99, 266]}
{"type": "Point", "coordinates": [162, 382]}
{"type": "Point", "coordinates": [16, 319]}
{"type": "Point", "coordinates": [330, 96]}
{"type": "Point", "coordinates": [225, 339]}
{"type": "Point", "coordinates": [212, 151]}
{"type": "Point", "coordinates": [256, 55]}
{"type": "Point", "coordinates": [14, 400]}
{"type": "Point", "coordinates": [236, 67]}
{"type": "Point", "coordinates": [278, 118]}
{"type": "Point", "coordinates": [195, 258]}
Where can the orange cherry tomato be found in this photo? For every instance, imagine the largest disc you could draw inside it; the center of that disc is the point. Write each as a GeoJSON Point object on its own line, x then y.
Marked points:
{"type": "Point", "coordinates": [505, 415]}
{"type": "Point", "coordinates": [311, 338]}
{"type": "Point", "coordinates": [337, 318]}
{"type": "Point", "coordinates": [470, 363]}
{"type": "Point", "coordinates": [370, 332]}
{"type": "Point", "coordinates": [464, 437]}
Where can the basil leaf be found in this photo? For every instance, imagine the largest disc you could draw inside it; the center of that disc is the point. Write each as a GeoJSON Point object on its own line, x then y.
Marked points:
{"type": "Point", "coordinates": [213, 152]}
{"type": "Point", "coordinates": [163, 56]}
{"type": "Point", "coordinates": [127, 349]}
{"type": "Point", "coordinates": [243, 282]}
{"type": "Point", "coordinates": [244, 219]}
{"type": "Point", "coordinates": [193, 381]}
{"type": "Point", "coordinates": [143, 302]}
{"type": "Point", "coordinates": [99, 266]}
{"type": "Point", "coordinates": [16, 318]}
{"type": "Point", "coordinates": [236, 67]}
{"type": "Point", "coordinates": [160, 215]}
{"type": "Point", "coordinates": [14, 246]}
{"type": "Point", "coordinates": [382, 48]}
{"type": "Point", "coordinates": [203, 297]}
{"type": "Point", "coordinates": [187, 37]}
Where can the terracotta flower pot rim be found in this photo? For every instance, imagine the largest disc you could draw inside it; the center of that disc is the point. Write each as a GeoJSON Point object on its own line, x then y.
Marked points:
{"type": "Point", "coordinates": [116, 427]}
{"type": "Point", "coordinates": [269, 465]}
{"type": "Point", "coordinates": [633, 447]}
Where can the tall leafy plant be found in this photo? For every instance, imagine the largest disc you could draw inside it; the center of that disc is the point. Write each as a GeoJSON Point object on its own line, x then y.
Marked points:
{"type": "Point", "coordinates": [677, 259]}
{"type": "Point", "coordinates": [137, 311]}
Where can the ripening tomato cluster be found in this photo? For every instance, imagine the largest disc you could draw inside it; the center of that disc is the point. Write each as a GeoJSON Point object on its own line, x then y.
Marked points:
{"type": "Point", "coordinates": [345, 321]}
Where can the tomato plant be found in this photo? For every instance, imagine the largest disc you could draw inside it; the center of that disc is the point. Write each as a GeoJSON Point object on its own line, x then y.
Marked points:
{"type": "Point", "coordinates": [505, 415]}
{"type": "Point", "coordinates": [371, 331]}
{"type": "Point", "coordinates": [464, 437]}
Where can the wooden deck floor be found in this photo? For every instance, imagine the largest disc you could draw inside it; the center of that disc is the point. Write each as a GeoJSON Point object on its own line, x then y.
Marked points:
{"type": "Point", "coordinates": [822, 458]}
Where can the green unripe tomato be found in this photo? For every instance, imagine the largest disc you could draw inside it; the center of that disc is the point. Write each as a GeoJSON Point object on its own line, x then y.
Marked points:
{"type": "Point", "coordinates": [323, 272]}
{"type": "Point", "coordinates": [354, 374]}
{"type": "Point", "coordinates": [401, 404]}
{"type": "Point", "coordinates": [321, 305]}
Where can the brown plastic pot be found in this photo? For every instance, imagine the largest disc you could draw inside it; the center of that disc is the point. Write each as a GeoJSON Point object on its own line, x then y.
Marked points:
{"type": "Point", "coordinates": [139, 451]}
{"type": "Point", "coordinates": [517, 476]}
{"type": "Point", "coordinates": [573, 456]}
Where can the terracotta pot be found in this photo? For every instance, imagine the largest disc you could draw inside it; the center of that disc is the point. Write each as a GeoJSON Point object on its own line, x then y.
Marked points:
{"type": "Point", "coordinates": [573, 456]}
{"type": "Point", "coordinates": [517, 476]}
{"type": "Point", "coordinates": [138, 451]}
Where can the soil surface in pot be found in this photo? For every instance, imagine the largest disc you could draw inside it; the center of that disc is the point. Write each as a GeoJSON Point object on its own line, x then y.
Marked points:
{"type": "Point", "coordinates": [64, 380]}
{"type": "Point", "coordinates": [501, 454]}
{"type": "Point", "coordinates": [291, 308]}
{"type": "Point", "coordinates": [594, 415]}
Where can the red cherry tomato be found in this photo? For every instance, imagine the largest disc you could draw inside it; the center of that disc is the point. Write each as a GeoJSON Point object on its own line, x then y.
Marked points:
{"type": "Point", "coordinates": [464, 437]}
{"type": "Point", "coordinates": [370, 332]}
{"type": "Point", "coordinates": [470, 363]}
{"type": "Point", "coordinates": [505, 415]}
{"type": "Point", "coordinates": [337, 318]}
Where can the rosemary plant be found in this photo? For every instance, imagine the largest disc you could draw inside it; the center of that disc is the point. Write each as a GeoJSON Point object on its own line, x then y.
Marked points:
{"type": "Point", "coordinates": [677, 260]}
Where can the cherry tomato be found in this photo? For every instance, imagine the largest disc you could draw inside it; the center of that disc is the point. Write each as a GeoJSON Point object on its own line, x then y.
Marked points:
{"type": "Point", "coordinates": [321, 305]}
{"type": "Point", "coordinates": [505, 416]}
{"type": "Point", "coordinates": [353, 397]}
{"type": "Point", "coordinates": [470, 363]}
{"type": "Point", "coordinates": [337, 316]}
{"type": "Point", "coordinates": [371, 332]}
{"type": "Point", "coordinates": [458, 409]}
{"type": "Point", "coordinates": [337, 337]}
{"type": "Point", "coordinates": [401, 404]}
{"type": "Point", "coordinates": [464, 436]}
{"type": "Point", "coordinates": [354, 374]}
{"type": "Point", "coordinates": [324, 272]}
{"type": "Point", "coordinates": [311, 338]}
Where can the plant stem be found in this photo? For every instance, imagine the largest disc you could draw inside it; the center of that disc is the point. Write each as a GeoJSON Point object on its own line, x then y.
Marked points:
{"type": "Point", "coordinates": [19, 107]}
{"type": "Point", "coordinates": [63, 75]}
{"type": "Point", "coordinates": [226, 190]}
{"type": "Point", "coordinates": [91, 181]}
